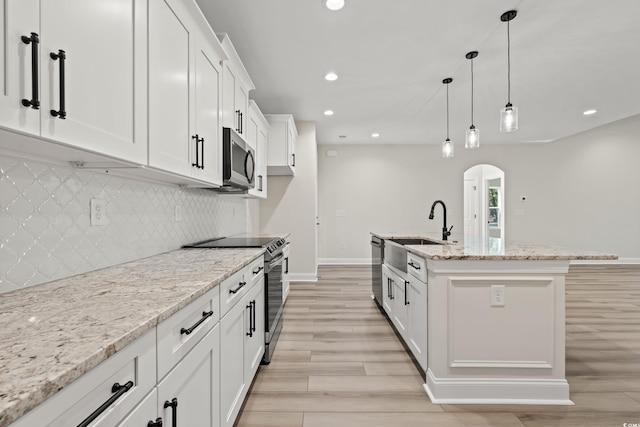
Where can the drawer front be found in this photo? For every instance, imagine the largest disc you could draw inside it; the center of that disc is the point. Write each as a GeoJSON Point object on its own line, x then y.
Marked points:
{"type": "Point", "coordinates": [181, 332]}
{"type": "Point", "coordinates": [417, 267]}
{"type": "Point", "coordinates": [255, 271]}
{"type": "Point", "coordinates": [232, 290]}
{"type": "Point", "coordinates": [135, 363]}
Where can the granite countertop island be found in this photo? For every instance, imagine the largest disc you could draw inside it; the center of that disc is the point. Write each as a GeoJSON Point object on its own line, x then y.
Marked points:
{"type": "Point", "coordinates": [53, 333]}
{"type": "Point", "coordinates": [492, 249]}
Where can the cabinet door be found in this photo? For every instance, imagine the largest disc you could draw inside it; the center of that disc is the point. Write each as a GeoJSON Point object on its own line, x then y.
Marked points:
{"type": "Point", "coordinates": [143, 413]}
{"type": "Point", "coordinates": [229, 114]}
{"type": "Point", "coordinates": [232, 380]}
{"type": "Point", "coordinates": [170, 38]}
{"type": "Point", "coordinates": [291, 148]}
{"type": "Point", "coordinates": [18, 18]}
{"type": "Point", "coordinates": [242, 103]}
{"type": "Point", "coordinates": [418, 320]}
{"type": "Point", "coordinates": [261, 183]}
{"type": "Point", "coordinates": [387, 291]}
{"type": "Point", "coordinates": [104, 42]}
{"type": "Point", "coordinates": [186, 395]}
{"type": "Point", "coordinates": [207, 153]}
{"type": "Point", "coordinates": [254, 344]}
{"type": "Point", "coordinates": [400, 306]}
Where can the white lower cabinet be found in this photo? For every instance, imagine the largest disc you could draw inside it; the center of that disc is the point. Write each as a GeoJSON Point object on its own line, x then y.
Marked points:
{"type": "Point", "coordinates": [241, 348]}
{"type": "Point", "coordinates": [189, 395]}
{"type": "Point", "coordinates": [405, 302]}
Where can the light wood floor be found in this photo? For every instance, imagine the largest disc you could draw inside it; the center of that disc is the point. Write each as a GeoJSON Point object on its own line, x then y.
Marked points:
{"type": "Point", "coordinates": [338, 362]}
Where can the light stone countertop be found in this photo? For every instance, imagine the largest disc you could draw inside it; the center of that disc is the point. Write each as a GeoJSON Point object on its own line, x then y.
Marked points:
{"type": "Point", "coordinates": [493, 249]}
{"type": "Point", "coordinates": [51, 334]}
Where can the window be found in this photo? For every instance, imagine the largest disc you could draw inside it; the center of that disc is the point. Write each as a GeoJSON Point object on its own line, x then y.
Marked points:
{"type": "Point", "coordinates": [494, 206]}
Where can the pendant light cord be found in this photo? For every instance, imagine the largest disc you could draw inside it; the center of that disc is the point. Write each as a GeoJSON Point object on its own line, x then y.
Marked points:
{"type": "Point", "coordinates": [471, 91]}
{"type": "Point", "coordinates": [508, 65]}
{"type": "Point", "coordinates": [447, 111]}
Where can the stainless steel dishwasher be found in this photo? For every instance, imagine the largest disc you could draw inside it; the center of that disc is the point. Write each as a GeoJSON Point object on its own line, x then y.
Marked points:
{"type": "Point", "coordinates": [377, 259]}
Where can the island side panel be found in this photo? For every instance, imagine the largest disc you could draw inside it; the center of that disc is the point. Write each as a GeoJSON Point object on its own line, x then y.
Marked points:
{"type": "Point", "coordinates": [480, 352]}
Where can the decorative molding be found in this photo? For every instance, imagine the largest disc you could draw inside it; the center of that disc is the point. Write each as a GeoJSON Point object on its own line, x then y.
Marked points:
{"type": "Point", "coordinates": [619, 261]}
{"type": "Point", "coordinates": [303, 277]}
{"type": "Point", "coordinates": [503, 391]}
{"type": "Point", "coordinates": [344, 261]}
{"type": "Point", "coordinates": [506, 364]}
{"type": "Point", "coordinates": [504, 266]}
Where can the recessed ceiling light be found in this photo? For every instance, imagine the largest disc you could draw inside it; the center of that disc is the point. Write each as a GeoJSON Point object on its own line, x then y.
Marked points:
{"type": "Point", "coordinates": [333, 4]}
{"type": "Point", "coordinates": [331, 77]}
{"type": "Point", "coordinates": [375, 135]}
{"type": "Point", "coordinates": [328, 113]}
{"type": "Point", "coordinates": [590, 112]}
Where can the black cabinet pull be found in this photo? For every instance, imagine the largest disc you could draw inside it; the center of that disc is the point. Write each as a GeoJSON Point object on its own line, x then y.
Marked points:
{"type": "Point", "coordinates": [34, 40]}
{"type": "Point", "coordinates": [202, 153]}
{"type": "Point", "coordinates": [294, 160]}
{"type": "Point", "coordinates": [156, 423]}
{"type": "Point", "coordinates": [416, 266]}
{"type": "Point", "coordinates": [197, 163]}
{"type": "Point", "coordinates": [62, 56]}
{"type": "Point", "coordinates": [406, 301]}
{"type": "Point", "coordinates": [238, 121]}
{"type": "Point", "coordinates": [258, 270]}
{"type": "Point", "coordinates": [241, 122]}
{"type": "Point", "coordinates": [205, 316]}
{"type": "Point", "coordinates": [118, 391]}
{"type": "Point", "coordinates": [286, 270]}
{"type": "Point", "coordinates": [259, 182]}
{"type": "Point", "coordinates": [250, 307]}
{"type": "Point", "coordinates": [253, 324]}
{"type": "Point", "coordinates": [240, 286]}
{"type": "Point", "coordinates": [174, 410]}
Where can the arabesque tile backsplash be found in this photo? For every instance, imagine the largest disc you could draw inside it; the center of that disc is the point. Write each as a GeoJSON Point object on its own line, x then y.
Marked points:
{"type": "Point", "coordinates": [45, 230]}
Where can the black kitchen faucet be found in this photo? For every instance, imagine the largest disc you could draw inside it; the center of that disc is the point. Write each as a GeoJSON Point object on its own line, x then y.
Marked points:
{"type": "Point", "coordinates": [445, 232]}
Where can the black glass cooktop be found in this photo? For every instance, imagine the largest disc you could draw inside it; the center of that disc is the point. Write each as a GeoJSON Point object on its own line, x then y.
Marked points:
{"type": "Point", "coordinates": [233, 242]}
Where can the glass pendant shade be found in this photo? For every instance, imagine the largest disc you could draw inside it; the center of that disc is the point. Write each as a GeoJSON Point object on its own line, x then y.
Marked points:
{"type": "Point", "coordinates": [447, 149]}
{"type": "Point", "coordinates": [509, 118]}
{"type": "Point", "coordinates": [472, 139]}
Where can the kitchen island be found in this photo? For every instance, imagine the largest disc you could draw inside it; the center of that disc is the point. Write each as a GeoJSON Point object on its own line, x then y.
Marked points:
{"type": "Point", "coordinates": [495, 321]}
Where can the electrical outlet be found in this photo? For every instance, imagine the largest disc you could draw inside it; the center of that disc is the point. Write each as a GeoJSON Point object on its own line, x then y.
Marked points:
{"type": "Point", "coordinates": [98, 212]}
{"type": "Point", "coordinates": [177, 213]}
{"type": "Point", "coordinates": [497, 296]}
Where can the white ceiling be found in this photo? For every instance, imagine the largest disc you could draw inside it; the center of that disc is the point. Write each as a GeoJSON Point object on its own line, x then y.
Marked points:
{"type": "Point", "coordinates": [567, 56]}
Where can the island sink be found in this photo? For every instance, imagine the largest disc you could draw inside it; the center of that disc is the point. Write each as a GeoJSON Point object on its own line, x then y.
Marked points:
{"type": "Point", "coordinates": [416, 241]}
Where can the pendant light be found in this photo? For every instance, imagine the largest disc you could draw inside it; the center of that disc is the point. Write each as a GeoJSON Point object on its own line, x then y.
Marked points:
{"type": "Point", "coordinates": [472, 137]}
{"type": "Point", "coordinates": [509, 114]}
{"type": "Point", "coordinates": [447, 145]}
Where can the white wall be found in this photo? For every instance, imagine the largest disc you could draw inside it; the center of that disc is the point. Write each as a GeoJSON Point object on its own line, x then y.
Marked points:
{"type": "Point", "coordinates": [45, 232]}
{"type": "Point", "coordinates": [291, 205]}
{"type": "Point", "coordinates": [581, 191]}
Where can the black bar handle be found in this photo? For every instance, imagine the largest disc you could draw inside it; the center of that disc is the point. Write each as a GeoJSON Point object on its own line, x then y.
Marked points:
{"type": "Point", "coordinates": [406, 301]}
{"type": "Point", "coordinates": [197, 163]}
{"type": "Point", "coordinates": [202, 153]}
{"type": "Point", "coordinates": [34, 40]}
{"type": "Point", "coordinates": [250, 307]}
{"type": "Point", "coordinates": [205, 316]}
{"type": "Point", "coordinates": [260, 183]}
{"type": "Point", "coordinates": [258, 270]}
{"type": "Point", "coordinates": [393, 291]}
{"type": "Point", "coordinates": [62, 56]}
{"type": "Point", "coordinates": [238, 121]}
{"type": "Point", "coordinates": [416, 266]}
{"type": "Point", "coordinates": [174, 410]}
{"type": "Point", "coordinates": [118, 391]}
{"type": "Point", "coordinates": [240, 286]}
{"type": "Point", "coordinates": [242, 123]}
{"type": "Point", "coordinates": [254, 315]}
{"type": "Point", "coordinates": [156, 423]}
{"type": "Point", "coordinates": [294, 159]}
{"type": "Point", "coordinates": [286, 270]}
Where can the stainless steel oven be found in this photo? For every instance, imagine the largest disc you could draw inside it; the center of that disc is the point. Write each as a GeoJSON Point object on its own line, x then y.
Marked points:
{"type": "Point", "coordinates": [273, 280]}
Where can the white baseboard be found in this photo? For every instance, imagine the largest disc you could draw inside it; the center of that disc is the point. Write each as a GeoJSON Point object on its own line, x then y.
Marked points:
{"type": "Point", "coordinates": [344, 261]}
{"type": "Point", "coordinates": [497, 391]}
{"type": "Point", "coordinates": [619, 261]}
{"type": "Point", "coordinates": [303, 277]}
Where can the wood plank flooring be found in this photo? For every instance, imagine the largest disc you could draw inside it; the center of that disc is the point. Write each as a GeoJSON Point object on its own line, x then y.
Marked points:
{"type": "Point", "coordinates": [339, 363]}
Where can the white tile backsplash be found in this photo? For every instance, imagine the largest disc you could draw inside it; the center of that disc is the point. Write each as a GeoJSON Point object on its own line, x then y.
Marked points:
{"type": "Point", "coordinates": [45, 231]}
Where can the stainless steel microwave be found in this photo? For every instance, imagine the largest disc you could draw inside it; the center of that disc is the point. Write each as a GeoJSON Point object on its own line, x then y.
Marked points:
{"type": "Point", "coordinates": [238, 167]}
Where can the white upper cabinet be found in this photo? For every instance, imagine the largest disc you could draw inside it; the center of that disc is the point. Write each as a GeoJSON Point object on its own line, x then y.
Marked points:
{"type": "Point", "coordinates": [74, 72]}
{"type": "Point", "coordinates": [281, 158]}
{"type": "Point", "coordinates": [257, 134]}
{"type": "Point", "coordinates": [184, 94]}
{"type": "Point", "coordinates": [235, 90]}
